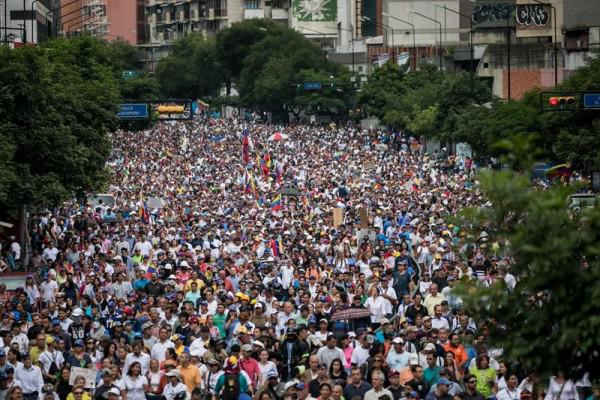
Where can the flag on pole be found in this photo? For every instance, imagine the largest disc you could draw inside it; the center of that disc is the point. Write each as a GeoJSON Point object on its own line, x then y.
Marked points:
{"type": "Point", "coordinates": [245, 146]}
{"type": "Point", "coordinates": [403, 61]}
{"type": "Point", "coordinates": [382, 59]}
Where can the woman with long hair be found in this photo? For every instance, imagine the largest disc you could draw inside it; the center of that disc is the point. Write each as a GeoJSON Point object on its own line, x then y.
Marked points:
{"type": "Point", "coordinates": [264, 365]}
{"type": "Point", "coordinates": [14, 393]}
{"type": "Point", "coordinates": [62, 384]}
{"type": "Point", "coordinates": [154, 377]}
{"type": "Point", "coordinates": [337, 373]}
{"type": "Point", "coordinates": [134, 385]}
{"type": "Point", "coordinates": [450, 364]}
{"type": "Point", "coordinates": [486, 375]}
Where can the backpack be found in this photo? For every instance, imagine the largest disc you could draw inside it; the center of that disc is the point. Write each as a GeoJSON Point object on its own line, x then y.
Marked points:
{"type": "Point", "coordinates": [231, 387]}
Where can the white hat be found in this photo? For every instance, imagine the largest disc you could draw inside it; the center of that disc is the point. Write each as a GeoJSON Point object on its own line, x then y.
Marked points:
{"type": "Point", "coordinates": [429, 347]}
{"type": "Point", "coordinates": [174, 373]}
{"type": "Point", "coordinates": [398, 340]}
{"type": "Point", "coordinates": [184, 264]}
{"type": "Point", "coordinates": [77, 312]}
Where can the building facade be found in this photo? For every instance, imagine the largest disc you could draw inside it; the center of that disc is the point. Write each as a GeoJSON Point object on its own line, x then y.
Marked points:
{"type": "Point", "coordinates": [24, 21]}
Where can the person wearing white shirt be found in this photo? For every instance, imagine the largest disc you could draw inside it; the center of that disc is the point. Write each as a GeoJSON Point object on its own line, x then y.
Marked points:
{"type": "Point", "coordinates": [31, 379]}
{"type": "Point", "coordinates": [49, 357]}
{"type": "Point", "coordinates": [49, 289]}
{"type": "Point", "coordinates": [287, 275]}
{"type": "Point", "coordinates": [389, 295]}
{"type": "Point", "coordinates": [375, 304]}
{"type": "Point", "coordinates": [438, 321]}
{"type": "Point", "coordinates": [160, 347]}
{"type": "Point", "coordinates": [511, 391]}
{"type": "Point", "coordinates": [137, 356]}
{"type": "Point", "coordinates": [50, 252]}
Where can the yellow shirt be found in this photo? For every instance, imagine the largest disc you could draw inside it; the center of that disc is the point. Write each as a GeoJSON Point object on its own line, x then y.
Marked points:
{"type": "Point", "coordinates": [85, 396]}
{"type": "Point", "coordinates": [191, 376]}
{"type": "Point", "coordinates": [35, 354]}
{"type": "Point", "coordinates": [188, 284]}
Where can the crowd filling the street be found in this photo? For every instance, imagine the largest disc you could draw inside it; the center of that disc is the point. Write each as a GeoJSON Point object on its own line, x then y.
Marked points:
{"type": "Point", "coordinates": [235, 259]}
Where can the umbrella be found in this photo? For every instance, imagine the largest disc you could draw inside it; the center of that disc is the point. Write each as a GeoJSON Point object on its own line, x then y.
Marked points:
{"type": "Point", "coordinates": [559, 170]}
{"type": "Point", "coordinates": [277, 137]}
{"type": "Point", "coordinates": [351, 313]}
{"type": "Point", "coordinates": [290, 191]}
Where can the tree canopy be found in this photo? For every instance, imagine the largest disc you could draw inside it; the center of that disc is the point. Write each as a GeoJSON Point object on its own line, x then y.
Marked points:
{"type": "Point", "coordinates": [57, 104]}
{"type": "Point", "coordinates": [550, 321]}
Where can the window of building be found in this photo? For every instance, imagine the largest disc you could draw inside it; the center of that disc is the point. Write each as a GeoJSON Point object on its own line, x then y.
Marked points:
{"type": "Point", "coordinates": [251, 4]}
{"type": "Point", "coordinates": [279, 4]}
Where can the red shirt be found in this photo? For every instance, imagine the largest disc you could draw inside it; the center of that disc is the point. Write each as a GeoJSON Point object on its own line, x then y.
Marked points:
{"type": "Point", "coordinates": [250, 366]}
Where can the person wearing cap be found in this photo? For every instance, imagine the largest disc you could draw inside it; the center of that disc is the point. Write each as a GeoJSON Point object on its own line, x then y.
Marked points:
{"type": "Point", "coordinates": [78, 356]}
{"type": "Point", "coordinates": [441, 391]}
{"type": "Point", "coordinates": [249, 364]}
{"type": "Point", "coordinates": [211, 377]}
{"type": "Point", "coordinates": [112, 393]}
{"type": "Point", "coordinates": [31, 378]}
{"type": "Point", "coordinates": [453, 387]}
{"type": "Point", "coordinates": [175, 386]}
{"type": "Point", "coordinates": [314, 385]}
{"type": "Point", "coordinates": [232, 383]}
{"type": "Point", "coordinates": [108, 382]}
{"type": "Point", "coordinates": [50, 361]}
{"type": "Point", "coordinates": [397, 389]}
{"type": "Point", "coordinates": [397, 359]}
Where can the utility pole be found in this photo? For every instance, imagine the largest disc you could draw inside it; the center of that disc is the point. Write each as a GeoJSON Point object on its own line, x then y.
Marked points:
{"type": "Point", "coordinates": [440, 25]}
{"type": "Point", "coordinates": [413, 34]}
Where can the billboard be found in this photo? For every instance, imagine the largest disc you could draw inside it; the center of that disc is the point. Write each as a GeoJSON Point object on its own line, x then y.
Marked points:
{"type": "Point", "coordinates": [315, 10]}
{"type": "Point", "coordinates": [165, 110]}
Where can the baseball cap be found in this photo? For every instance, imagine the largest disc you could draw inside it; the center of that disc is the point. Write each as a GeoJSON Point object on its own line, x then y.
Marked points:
{"type": "Point", "coordinates": [272, 374]}
{"type": "Point", "coordinates": [55, 322]}
{"type": "Point", "coordinates": [247, 347]}
{"type": "Point", "coordinates": [2, 353]}
{"type": "Point", "coordinates": [79, 343]}
{"type": "Point", "coordinates": [398, 340]}
{"type": "Point", "coordinates": [443, 381]}
{"type": "Point", "coordinates": [429, 347]}
{"type": "Point", "coordinates": [384, 321]}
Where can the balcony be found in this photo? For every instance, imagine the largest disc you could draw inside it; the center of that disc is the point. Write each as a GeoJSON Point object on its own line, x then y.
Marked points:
{"type": "Point", "coordinates": [280, 13]}
{"type": "Point", "coordinates": [254, 13]}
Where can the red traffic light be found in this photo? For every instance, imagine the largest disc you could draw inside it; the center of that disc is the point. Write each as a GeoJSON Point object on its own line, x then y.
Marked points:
{"type": "Point", "coordinates": [561, 101]}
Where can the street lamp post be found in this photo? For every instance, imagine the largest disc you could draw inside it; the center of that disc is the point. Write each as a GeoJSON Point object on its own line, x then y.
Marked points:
{"type": "Point", "coordinates": [440, 24]}
{"type": "Point", "coordinates": [57, 9]}
{"type": "Point", "coordinates": [33, 19]}
{"type": "Point", "coordinates": [554, 40]}
{"type": "Point", "coordinates": [24, 21]}
{"type": "Point", "coordinates": [317, 32]}
{"type": "Point", "coordinates": [414, 36]}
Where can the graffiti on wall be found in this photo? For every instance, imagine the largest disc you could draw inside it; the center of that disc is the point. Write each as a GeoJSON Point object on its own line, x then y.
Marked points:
{"type": "Point", "coordinates": [532, 16]}
{"type": "Point", "coordinates": [491, 14]}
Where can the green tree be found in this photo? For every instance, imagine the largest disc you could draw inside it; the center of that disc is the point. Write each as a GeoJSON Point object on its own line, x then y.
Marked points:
{"type": "Point", "coordinates": [549, 322]}
{"type": "Point", "coordinates": [57, 104]}
{"type": "Point", "coordinates": [191, 70]}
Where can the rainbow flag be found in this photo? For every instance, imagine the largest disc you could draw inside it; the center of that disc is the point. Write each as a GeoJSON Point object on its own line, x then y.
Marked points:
{"type": "Point", "coordinates": [276, 203]}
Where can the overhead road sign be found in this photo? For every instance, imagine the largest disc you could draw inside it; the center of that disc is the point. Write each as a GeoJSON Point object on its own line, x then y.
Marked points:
{"type": "Point", "coordinates": [133, 111]}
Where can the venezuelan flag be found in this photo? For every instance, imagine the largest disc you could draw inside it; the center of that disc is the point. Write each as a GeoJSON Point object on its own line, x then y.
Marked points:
{"type": "Point", "coordinates": [276, 203]}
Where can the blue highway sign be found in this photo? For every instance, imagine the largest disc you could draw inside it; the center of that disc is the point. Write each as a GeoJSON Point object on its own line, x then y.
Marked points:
{"type": "Point", "coordinates": [591, 101]}
{"type": "Point", "coordinates": [133, 111]}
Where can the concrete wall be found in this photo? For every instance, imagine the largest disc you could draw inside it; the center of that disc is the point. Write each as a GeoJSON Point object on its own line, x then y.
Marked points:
{"type": "Point", "coordinates": [122, 19]}
{"type": "Point", "coordinates": [536, 20]}
{"type": "Point", "coordinates": [427, 32]}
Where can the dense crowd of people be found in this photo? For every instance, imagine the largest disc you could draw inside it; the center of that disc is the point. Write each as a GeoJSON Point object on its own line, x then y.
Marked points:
{"type": "Point", "coordinates": [241, 260]}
